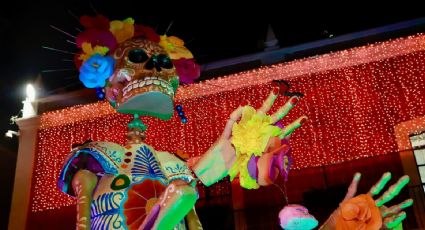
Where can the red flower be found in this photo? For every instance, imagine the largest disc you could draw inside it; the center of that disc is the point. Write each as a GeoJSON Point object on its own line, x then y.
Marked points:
{"type": "Point", "coordinates": [97, 37]}
{"type": "Point", "coordinates": [98, 22]}
{"type": "Point", "coordinates": [187, 69]}
{"type": "Point", "coordinates": [147, 32]}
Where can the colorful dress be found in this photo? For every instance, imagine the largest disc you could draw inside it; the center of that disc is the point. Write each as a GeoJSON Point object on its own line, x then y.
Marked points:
{"type": "Point", "coordinates": [131, 179]}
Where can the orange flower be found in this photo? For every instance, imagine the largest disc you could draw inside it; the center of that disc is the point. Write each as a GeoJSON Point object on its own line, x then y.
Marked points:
{"type": "Point", "coordinates": [141, 198]}
{"type": "Point", "coordinates": [359, 213]}
{"type": "Point", "coordinates": [175, 47]}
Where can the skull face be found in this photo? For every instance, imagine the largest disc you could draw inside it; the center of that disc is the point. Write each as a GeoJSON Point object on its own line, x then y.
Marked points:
{"type": "Point", "coordinates": [144, 81]}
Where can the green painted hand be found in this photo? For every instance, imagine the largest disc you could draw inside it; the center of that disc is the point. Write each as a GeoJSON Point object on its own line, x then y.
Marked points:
{"type": "Point", "coordinates": [393, 216]}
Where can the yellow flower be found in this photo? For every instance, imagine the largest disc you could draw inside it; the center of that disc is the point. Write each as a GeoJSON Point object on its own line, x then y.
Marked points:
{"type": "Point", "coordinates": [250, 136]}
{"type": "Point", "coordinates": [241, 167]}
{"type": "Point", "coordinates": [122, 30]}
{"type": "Point", "coordinates": [252, 133]}
{"type": "Point", "coordinates": [174, 46]}
{"type": "Point", "coordinates": [90, 51]}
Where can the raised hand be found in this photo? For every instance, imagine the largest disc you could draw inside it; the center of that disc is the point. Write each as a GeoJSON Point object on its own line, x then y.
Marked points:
{"type": "Point", "coordinates": [250, 138]}
{"type": "Point", "coordinates": [261, 146]}
{"type": "Point", "coordinates": [392, 216]}
{"type": "Point", "coordinates": [351, 212]}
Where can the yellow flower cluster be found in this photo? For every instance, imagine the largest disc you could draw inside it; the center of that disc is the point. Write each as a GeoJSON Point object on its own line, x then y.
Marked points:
{"type": "Point", "coordinates": [252, 133]}
{"type": "Point", "coordinates": [89, 51]}
{"type": "Point", "coordinates": [175, 47]}
{"type": "Point", "coordinates": [250, 137]}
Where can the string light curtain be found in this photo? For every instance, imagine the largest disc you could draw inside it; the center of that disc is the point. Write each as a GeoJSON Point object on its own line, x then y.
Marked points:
{"type": "Point", "coordinates": [353, 99]}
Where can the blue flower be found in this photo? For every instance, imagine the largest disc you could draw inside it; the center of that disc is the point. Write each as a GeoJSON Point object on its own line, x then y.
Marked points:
{"type": "Point", "coordinates": [95, 71]}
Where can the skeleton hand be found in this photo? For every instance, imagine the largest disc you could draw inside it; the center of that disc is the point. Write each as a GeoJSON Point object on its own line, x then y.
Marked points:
{"type": "Point", "coordinates": [389, 218]}
{"type": "Point", "coordinates": [251, 146]}
{"type": "Point", "coordinates": [261, 145]}
{"type": "Point", "coordinates": [392, 216]}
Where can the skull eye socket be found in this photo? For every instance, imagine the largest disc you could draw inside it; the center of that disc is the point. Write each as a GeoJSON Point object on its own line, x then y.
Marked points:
{"type": "Point", "coordinates": [137, 56]}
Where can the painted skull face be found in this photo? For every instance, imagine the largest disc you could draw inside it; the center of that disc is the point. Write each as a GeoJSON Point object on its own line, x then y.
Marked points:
{"type": "Point", "coordinates": [144, 81]}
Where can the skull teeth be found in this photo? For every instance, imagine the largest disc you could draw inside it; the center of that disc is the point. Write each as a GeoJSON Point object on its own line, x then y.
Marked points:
{"type": "Point", "coordinates": [148, 81]}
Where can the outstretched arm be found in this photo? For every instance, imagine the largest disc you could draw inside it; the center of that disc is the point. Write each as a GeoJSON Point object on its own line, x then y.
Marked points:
{"type": "Point", "coordinates": [216, 162]}
{"type": "Point", "coordinates": [84, 183]}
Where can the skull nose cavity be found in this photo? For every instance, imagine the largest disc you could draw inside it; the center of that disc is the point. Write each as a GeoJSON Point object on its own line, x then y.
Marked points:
{"type": "Point", "coordinates": [158, 62]}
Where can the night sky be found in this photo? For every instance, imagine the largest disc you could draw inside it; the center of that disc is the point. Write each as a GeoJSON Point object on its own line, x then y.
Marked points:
{"type": "Point", "coordinates": [212, 30]}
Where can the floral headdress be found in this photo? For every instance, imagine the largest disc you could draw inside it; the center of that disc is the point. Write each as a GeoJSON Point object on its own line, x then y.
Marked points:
{"type": "Point", "coordinates": [102, 36]}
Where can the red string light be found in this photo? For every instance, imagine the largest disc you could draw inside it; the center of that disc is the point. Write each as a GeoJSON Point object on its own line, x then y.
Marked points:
{"type": "Point", "coordinates": [353, 99]}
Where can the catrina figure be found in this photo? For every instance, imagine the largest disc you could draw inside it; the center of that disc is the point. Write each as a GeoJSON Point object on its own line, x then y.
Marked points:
{"type": "Point", "coordinates": [138, 187]}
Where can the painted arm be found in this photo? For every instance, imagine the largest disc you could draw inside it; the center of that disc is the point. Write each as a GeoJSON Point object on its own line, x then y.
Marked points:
{"type": "Point", "coordinates": [83, 184]}
{"type": "Point", "coordinates": [193, 221]}
{"type": "Point", "coordinates": [219, 158]}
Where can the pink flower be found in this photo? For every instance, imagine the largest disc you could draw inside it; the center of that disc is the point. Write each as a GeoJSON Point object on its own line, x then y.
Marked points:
{"type": "Point", "coordinates": [97, 37]}
{"type": "Point", "coordinates": [187, 69]}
